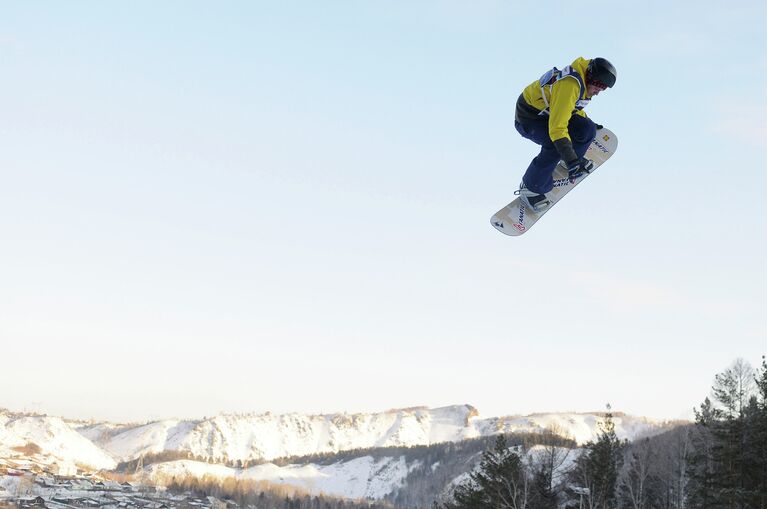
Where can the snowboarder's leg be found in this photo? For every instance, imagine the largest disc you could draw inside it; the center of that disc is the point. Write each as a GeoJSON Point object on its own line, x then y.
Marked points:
{"type": "Point", "coordinates": [538, 177]}
{"type": "Point", "coordinates": [582, 132]}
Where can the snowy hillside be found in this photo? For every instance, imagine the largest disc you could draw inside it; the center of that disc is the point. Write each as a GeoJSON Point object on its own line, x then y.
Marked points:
{"type": "Point", "coordinates": [225, 440]}
{"type": "Point", "coordinates": [579, 427]}
{"type": "Point", "coordinates": [264, 437]}
{"type": "Point", "coordinates": [267, 436]}
{"type": "Point", "coordinates": [364, 477]}
{"type": "Point", "coordinates": [54, 437]}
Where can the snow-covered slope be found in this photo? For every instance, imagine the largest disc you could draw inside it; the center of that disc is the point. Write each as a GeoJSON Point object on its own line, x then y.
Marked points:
{"type": "Point", "coordinates": [247, 439]}
{"type": "Point", "coordinates": [360, 477]}
{"type": "Point", "coordinates": [266, 436]}
{"type": "Point", "coordinates": [54, 437]}
{"type": "Point", "coordinates": [227, 438]}
{"type": "Point", "coordinates": [128, 442]}
{"type": "Point", "coordinates": [364, 477]}
{"type": "Point", "coordinates": [580, 427]}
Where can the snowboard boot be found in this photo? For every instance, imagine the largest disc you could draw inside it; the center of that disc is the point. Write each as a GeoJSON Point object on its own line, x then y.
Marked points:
{"type": "Point", "coordinates": [532, 200]}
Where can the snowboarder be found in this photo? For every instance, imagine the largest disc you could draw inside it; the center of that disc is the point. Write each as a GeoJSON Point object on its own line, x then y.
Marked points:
{"type": "Point", "coordinates": [550, 113]}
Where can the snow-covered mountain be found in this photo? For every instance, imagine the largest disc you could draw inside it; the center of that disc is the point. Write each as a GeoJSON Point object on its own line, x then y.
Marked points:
{"type": "Point", "coordinates": [267, 436]}
{"type": "Point", "coordinates": [362, 477]}
{"type": "Point", "coordinates": [366, 476]}
{"type": "Point", "coordinates": [229, 438]}
{"type": "Point", "coordinates": [54, 437]}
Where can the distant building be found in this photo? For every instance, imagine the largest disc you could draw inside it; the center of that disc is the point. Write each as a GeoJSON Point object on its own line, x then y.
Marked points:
{"type": "Point", "coordinates": [83, 484]}
{"type": "Point", "coordinates": [36, 502]}
{"type": "Point", "coordinates": [216, 503]}
{"type": "Point", "coordinates": [65, 468]}
{"type": "Point", "coordinates": [88, 502]}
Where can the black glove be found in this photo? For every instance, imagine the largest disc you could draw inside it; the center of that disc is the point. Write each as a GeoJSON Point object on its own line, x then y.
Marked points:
{"type": "Point", "coordinates": [579, 168]}
{"type": "Point", "coordinates": [599, 126]}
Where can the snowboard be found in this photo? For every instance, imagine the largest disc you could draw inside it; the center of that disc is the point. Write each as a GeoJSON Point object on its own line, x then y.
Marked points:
{"type": "Point", "coordinates": [515, 218]}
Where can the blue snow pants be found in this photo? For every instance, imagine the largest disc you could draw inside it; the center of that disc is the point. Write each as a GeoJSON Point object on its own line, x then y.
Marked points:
{"type": "Point", "coordinates": [539, 175]}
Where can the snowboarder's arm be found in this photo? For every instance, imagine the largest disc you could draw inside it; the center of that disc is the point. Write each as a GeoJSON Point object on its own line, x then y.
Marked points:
{"type": "Point", "coordinates": [564, 95]}
{"type": "Point", "coordinates": [565, 148]}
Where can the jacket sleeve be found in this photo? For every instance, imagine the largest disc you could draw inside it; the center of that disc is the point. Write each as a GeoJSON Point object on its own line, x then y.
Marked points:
{"type": "Point", "coordinates": [564, 95]}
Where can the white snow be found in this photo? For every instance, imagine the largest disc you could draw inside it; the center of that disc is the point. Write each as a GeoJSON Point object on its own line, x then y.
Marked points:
{"type": "Point", "coordinates": [54, 437]}
{"type": "Point", "coordinates": [263, 437]}
{"type": "Point", "coordinates": [581, 427]}
{"type": "Point", "coordinates": [363, 477]}
{"type": "Point", "coordinates": [267, 436]}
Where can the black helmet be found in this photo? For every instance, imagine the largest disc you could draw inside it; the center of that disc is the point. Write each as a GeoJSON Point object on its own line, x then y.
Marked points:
{"type": "Point", "coordinates": [601, 72]}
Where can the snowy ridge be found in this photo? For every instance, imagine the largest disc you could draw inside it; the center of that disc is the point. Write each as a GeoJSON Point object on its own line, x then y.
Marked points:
{"type": "Point", "coordinates": [128, 442]}
{"type": "Point", "coordinates": [264, 437]}
{"type": "Point", "coordinates": [54, 437]}
{"type": "Point", "coordinates": [578, 426]}
{"type": "Point", "coordinates": [363, 477]}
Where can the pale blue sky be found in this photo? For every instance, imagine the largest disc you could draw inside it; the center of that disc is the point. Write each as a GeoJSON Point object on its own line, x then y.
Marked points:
{"type": "Point", "coordinates": [251, 206]}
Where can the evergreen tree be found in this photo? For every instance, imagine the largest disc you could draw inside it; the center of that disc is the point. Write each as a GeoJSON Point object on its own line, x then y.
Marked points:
{"type": "Point", "coordinates": [749, 486]}
{"type": "Point", "coordinates": [500, 482]}
{"type": "Point", "coordinates": [759, 438]}
{"type": "Point", "coordinates": [596, 470]}
{"type": "Point", "coordinates": [729, 458]}
{"type": "Point", "coordinates": [543, 495]}
{"type": "Point", "coordinates": [732, 390]}
{"type": "Point", "coordinates": [701, 490]}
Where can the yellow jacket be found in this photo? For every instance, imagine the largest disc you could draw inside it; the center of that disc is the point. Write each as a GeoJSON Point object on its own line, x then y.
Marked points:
{"type": "Point", "coordinates": [561, 98]}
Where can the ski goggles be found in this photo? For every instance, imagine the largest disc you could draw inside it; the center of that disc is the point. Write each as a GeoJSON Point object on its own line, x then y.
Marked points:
{"type": "Point", "coordinates": [599, 85]}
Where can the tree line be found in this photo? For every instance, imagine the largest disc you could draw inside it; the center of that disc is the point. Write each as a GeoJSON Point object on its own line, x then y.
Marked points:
{"type": "Point", "coordinates": [718, 462]}
{"type": "Point", "coordinates": [252, 494]}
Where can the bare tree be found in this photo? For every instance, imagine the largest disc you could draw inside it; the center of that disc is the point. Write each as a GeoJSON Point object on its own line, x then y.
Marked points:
{"type": "Point", "coordinates": [674, 450]}
{"type": "Point", "coordinates": [547, 463]}
{"type": "Point", "coordinates": [24, 486]}
{"type": "Point", "coordinates": [734, 387]}
{"type": "Point", "coordinates": [634, 482]}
